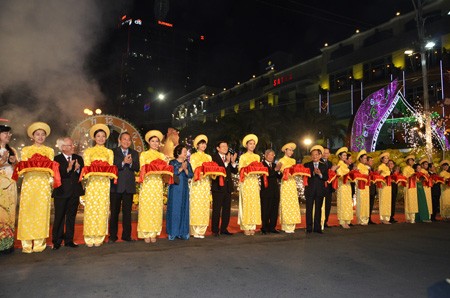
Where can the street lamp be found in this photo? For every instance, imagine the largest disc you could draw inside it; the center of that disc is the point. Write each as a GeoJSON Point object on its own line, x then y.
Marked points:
{"type": "Point", "coordinates": [307, 141]}
{"type": "Point", "coordinates": [161, 96]}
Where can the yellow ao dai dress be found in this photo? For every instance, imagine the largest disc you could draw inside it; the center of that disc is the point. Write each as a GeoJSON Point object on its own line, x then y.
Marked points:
{"type": "Point", "coordinates": [249, 199]}
{"type": "Point", "coordinates": [35, 203]}
{"type": "Point", "coordinates": [445, 196]}
{"type": "Point", "coordinates": [410, 194]}
{"type": "Point", "coordinates": [427, 191]}
{"type": "Point", "coordinates": [96, 208]}
{"type": "Point", "coordinates": [151, 199]}
{"type": "Point", "coordinates": [362, 198]}
{"type": "Point", "coordinates": [344, 196]}
{"type": "Point", "coordinates": [289, 204]}
{"type": "Point", "coordinates": [200, 197]}
{"type": "Point", "coordinates": [384, 194]}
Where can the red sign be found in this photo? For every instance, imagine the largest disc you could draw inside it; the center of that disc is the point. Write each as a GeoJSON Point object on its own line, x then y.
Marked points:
{"type": "Point", "coordinates": [282, 80]}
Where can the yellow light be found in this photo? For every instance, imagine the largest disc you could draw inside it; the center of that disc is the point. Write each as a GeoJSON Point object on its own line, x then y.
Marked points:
{"type": "Point", "coordinates": [397, 13]}
{"type": "Point", "coordinates": [307, 141]}
{"type": "Point", "coordinates": [98, 111]}
{"type": "Point", "coordinates": [357, 31]}
{"type": "Point", "coordinates": [326, 44]}
{"type": "Point", "coordinates": [409, 52]}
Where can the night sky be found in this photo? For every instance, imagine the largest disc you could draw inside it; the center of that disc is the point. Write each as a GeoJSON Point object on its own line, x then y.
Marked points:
{"type": "Point", "coordinates": [239, 33]}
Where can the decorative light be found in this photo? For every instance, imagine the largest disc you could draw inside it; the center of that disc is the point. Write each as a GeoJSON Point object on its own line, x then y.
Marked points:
{"type": "Point", "coordinates": [98, 111]}
{"type": "Point", "coordinates": [430, 45]}
{"type": "Point", "coordinates": [307, 141]}
{"type": "Point", "coordinates": [397, 13]}
{"type": "Point", "coordinates": [408, 52]}
{"type": "Point", "coordinates": [161, 96]}
{"type": "Point", "coordinates": [357, 31]}
{"type": "Point", "coordinates": [326, 44]}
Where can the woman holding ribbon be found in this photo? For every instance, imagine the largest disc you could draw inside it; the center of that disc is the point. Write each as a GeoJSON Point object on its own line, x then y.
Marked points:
{"type": "Point", "coordinates": [362, 190]}
{"type": "Point", "coordinates": [423, 214]}
{"type": "Point", "coordinates": [8, 194]}
{"type": "Point", "coordinates": [385, 192]}
{"type": "Point", "coordinates": [289, 203]}
{"type": "Point", "coordinates": [410, 191]}
{"type": "Point", "coordinates": [445, 190]}
{"type": "Point", "coordinates": [98, 171]}
{"type": "Point", "coordinates": [151, 196]}
{"type": "Point", "coordinates": [344, 190]}
{"type": "Point", "coordinates": [249, 198]}
{"type": "Point", "coordinates": [177, 223]}
{"type": "Point", "coordinates": [37, 167]}
{"type": "Point", "coordinates": [200, 195]}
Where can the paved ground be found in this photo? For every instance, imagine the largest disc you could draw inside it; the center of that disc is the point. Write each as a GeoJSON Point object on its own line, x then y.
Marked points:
{"type": "Point", "coordinates": [399, 260]}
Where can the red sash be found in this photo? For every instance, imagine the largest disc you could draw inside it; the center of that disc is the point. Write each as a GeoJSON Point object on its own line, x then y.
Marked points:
{"type": "Point", "coordinates": [297, 170]}
{"type": "Point", "coordinates": [359, 178]}
{"type": "Point", "coordinates": [377, 179]}
{"type": "Point", "coordinates": [255, 168]}
{"type": "Point", "coordinates": [156, 167]}
{"type": "Point", "coordinates": [99, 168]}
{"type": "Point", "coordinates": [39, 163]}
{"type": "Point", "coordinates": [399, 179]}
{"type": "Point", "coordinates": [210, 169]}
{"type": "Point", "coordinates": [332, 179]}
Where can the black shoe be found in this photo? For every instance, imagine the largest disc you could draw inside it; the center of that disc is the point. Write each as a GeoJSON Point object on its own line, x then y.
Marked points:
{"type": "Point", "coordinates": [318, 232]}
{"type": "Point", "coordinates": [56, 246]}
{"type": "Point", "coordinates": [371, 223]}
{"type": "Point", "coordinates": [263, 232]}
{"type": "Point", "coordinates": [226, 233]}
{"type": "Point", "coordinates": [275, 231]}
{"type": "Point", "coordinates": [129, 239]}
{"type": "Point", "coordinates": [71, 244]}
{"type": "Point", "coordinates": [308, 231]}
{"type": "Point", "coordinates": [111, 240]}
{"type": "Point", "coordinates": [350, 224]}
{"type": "Point", "coordinates": [216, 234]}
{"type": "Point", "coordinates": [393, 221]}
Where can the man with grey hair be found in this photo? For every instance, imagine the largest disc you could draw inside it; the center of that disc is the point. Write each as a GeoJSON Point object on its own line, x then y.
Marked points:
{"type": "Point", "coordinates": [270, 195]}
{"type": "Point", "coordinates": [66, 197]}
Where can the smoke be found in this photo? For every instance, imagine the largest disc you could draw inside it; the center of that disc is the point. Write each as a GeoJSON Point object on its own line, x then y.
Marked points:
{"type": "Point", "coordinates": [44, 46]}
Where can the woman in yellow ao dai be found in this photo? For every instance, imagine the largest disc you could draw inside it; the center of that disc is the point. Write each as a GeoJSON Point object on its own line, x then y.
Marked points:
{"type": "Point", "coordinates": [249, 198]}
{"type": "Point", "coordinates": [384, 193]}
{"type": "Point", "coordinates": [362, 195]}
{"type": "Point", "coordinates": [411, 205]}
{"type": "Point", "coordinates": [445, 193]}
{"type": "Point", "coordinates": [36, 194]}
{"type": "Point", "coordinates": [200, 191]}
{"type": "Point", "coordinates": [289, 204]}
{"type": "Point", "coordinates": [426, 188]}
{"type": "Point", "coordinates": [344, 191]}
{"type": "Point", "coordinates": [96, 198]}
{"type": "Point", "coordinates": [151, 194]}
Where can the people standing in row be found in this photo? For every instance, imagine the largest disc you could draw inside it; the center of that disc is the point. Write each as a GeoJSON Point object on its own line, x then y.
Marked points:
{"type": "Point", "coordinates": [35, 199]}
{"type": "Point", "coordinates": [289, 204]}
{"type": "Point", "coordinates": [151, 195]}
{"type": "Point", "coordinates": [97, 198]}
{"type": "Point", "coordinates": [66, 197]}
{"type": "Point", "coordinates": [8, 195]}
{"type": "Point", "coordinates": [221, 194]}
{"type": "Point", "coordinates": [200, 190]}
{"type": "Point", "coordinates": [385, 192]}
{"type": "Point", "coordinates": [270, 195]}
{"type": "Point", "coordinates": [363, 193]}
{"type": "Point", "coordinates": [126, 160]}
{"type": "Point", "coordinates": [249, 200]}
{"type": "Point", "coordinates": [410, 190]}
{"type": "Point", "coordinates": [344, 191]}
{"type": "Point", "coordinates": [178, 206]}
{"type": "Point", "coordinates": [315, 190]}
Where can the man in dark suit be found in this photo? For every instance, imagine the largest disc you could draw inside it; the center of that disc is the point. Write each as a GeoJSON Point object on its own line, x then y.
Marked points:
{"type": "Point", "coordinates": [435, 193]}
{"type": "Point", "coordinates": [270, 195]}
{"type": "Point", "coordinates": [222, 194]}
{"type": "Point", "coordinates": [127, 162]}
{"type": "Point", "coordinates": [315, 191]}
{"type": "Point", "coordinates": [328, 188]}
{"type": "Point", "coordinates": [66, 197]}
{"type": "Point", "coordinates": [372, 190]}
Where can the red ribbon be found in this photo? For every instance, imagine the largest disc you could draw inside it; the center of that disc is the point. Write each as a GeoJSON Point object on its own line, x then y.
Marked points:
{"type": "Point", "coordinates": [357, 176]}
{"type": "Point", "coordinates": [254, 168]}
{"type": "Point", "coordinates": [39, 161]}
{"type": "Point", "coordinates": [332, 179]}
{"type": "Point", "coordinates": [100, 166]}
{"type": "Point", "coordinates": [210, 169]}
{"type": "Point", "coordinates": [297, 170]}
{"type": "Point", "coordinates": [377, 179]}
{"type": "Point", "coordinates": [412, 181]}
{"type": "Point", "coordinates": [399, 179]}
{"type": "Point", "coordinates": [437, 179]}
{"type": "Point", "coordinates": [158, 167]}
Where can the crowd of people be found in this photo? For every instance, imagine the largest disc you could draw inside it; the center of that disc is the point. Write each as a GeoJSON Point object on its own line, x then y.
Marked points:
{"type": "Point", "coordinates": [268, 190]}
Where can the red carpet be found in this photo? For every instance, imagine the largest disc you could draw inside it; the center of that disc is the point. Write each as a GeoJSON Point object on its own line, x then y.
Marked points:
{"type": "Point", "coordinates": [233, 228]}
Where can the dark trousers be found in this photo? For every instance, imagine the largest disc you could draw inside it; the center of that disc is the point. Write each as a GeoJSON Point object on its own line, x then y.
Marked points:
{"type": "Point", "coordinates": [435, 201]}
{"type": "Point", "coordinates": [269, 211]}
{"type": "Point", "coordinates": [221, 208]}
{"type": "Point", "coordinates": [65, 213]}
{"type": "Point", "coordinates": [316, 202]}
{"type": "Point", "coordinates": [394, 191]}
{"type": "Point", "coordinates": [328, 198]}
{"type": "Point", "coordinates": [126, 201]}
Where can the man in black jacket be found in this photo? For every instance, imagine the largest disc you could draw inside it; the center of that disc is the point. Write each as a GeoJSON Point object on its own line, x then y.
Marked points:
{"type": "Point", "coordinates": [127, 162]}
{"type": "Point", "coordinates": [222, 194]}
{"type": "Point", "coordinates": [66, 197]}
{"type": "Point", "coordinates": [328, 188]}
{"type": "Point", "coordinates": [315, 190]}
{"type": "Point", "coordinates": [270, 195]}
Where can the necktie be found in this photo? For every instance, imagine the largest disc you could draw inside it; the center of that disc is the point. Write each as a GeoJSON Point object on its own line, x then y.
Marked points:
{"type": "Point", "coordinates": [68, 158]}
{"type": "Point", "coordinates": [223, 158]}
{"type": "Point", "coordinates": [316, 165]}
